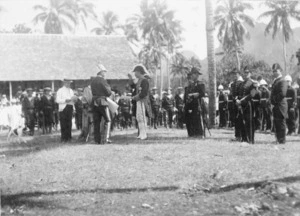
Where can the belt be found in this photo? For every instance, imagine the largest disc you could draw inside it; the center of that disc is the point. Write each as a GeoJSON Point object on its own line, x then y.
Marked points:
{"type": "Point", "coordinates": [289, 98]}
{"type": "Point", "coordinates": [221, 101]}
{"type": "Point", "coordinates": [255, 100]}
{"type": "Point", "coordinates": [230, 101]}
{"type": "Point", "coordinates": [263, 99]}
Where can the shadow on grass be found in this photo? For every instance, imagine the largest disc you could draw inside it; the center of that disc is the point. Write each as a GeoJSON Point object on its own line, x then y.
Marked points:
{"type": "Point", "coordinates": [20, 199]}
{"type": "Point", "coordinates": [34, 144]}
{"type": "Point", "coordinates": [131, 139]}
{"type": "Point", "coordinates": [247, 185]}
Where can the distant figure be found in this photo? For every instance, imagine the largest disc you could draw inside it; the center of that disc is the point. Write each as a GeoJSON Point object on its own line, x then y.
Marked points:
{"type": "Point", "coordinates": [236, 88]}
{"type": "Point", "coordinates": [155, 106]}
{"type": "Point", "coordinates": [278, 100]}
{"type": "Point", "coordinates": [78, 109]}
{"type": "Point", "coordinates": [298, 104]}
{"type": "Point", "coordinates": [222, 107]}
{"type": "Point", "coordinates": [29, 108]}
{"type": "Point", "coordinates": [142, 100]}
{"type": "Point", "coordinates": [179, 105]}
{"type": "Point", "coordinates": [101, 90]}
{"type": "Point", "coordinates": [47, 108]}
{"type": "Point", "coordinates": [192, 100]}
{"type": "Point", "coordinates": [291, 97]}
{"type": "Point", "coordinates": [65, 100]}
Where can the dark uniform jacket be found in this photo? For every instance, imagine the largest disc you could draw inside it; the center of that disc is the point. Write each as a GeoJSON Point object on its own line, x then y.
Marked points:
{"type": "Point", "coordinates": [100, 90]}
{"type": "Point", "coordinates": [265, 96]}
{"type": "Point", "coordinates": [193, 102]}
{"type": "Point", "coordinates": [298, 97]}
{"type": "Point", "coordinates": [79, 104]}
{"type": "Point", "coordinates": [235, 89]}
{"type": "Point", "coordinates": [155, 101]}
{"type": "Point", "coordinates": [179, 102]}
{"type": "Point", "coordinates": [29, 104]}
{"type": "Point", "coordinates": [46, 103]}
{"type": "Point", "coordinates": [230, 101]}
{"type": "Point", "coordinates": [278, 94]}
{"type": "Point", "coordinates": [222, 101]}
{"type": "Point", "coordinates": [142, 94]}
{"type": "Point", "coordinates": [125, 104]}
{"type": "Point", "coordinates": [246, 87]}
{"type": "Point", "coordinates": [291, 97]}
{"type": "Point", "coordinates": [167, 103]}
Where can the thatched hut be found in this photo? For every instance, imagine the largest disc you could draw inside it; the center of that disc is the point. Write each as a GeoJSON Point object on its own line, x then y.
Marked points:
{"type": "Point", "coordinates": [37, 61]}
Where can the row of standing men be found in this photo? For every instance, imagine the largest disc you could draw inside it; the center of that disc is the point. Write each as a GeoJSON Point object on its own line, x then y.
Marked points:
{"type": "Point", "coordinates": [251, 105]}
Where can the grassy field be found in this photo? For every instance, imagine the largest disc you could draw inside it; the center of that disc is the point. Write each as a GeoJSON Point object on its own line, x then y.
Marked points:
{"type": "Point", "coordinates": [168, 174]}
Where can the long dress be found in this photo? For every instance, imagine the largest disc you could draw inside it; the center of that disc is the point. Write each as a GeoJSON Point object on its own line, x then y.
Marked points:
{"type": "Point", "coordinates": [142, 106]}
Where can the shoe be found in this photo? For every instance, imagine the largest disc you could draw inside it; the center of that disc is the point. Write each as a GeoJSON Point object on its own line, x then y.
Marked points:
{"type": "Point", "coordinates": [108, 141]}
{"type": "Point", "coordinates": [143, 138]}
{"type": "Point", "coordinates": [236, 140]}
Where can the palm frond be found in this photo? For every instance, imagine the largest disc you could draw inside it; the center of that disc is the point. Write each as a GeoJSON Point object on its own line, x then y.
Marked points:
{"type": "Point", "coordinates": [39, 17]}
{"type": "Point", "coordinates": [249, 20]}
{"type": "Point", "coordinates": [40, 7]}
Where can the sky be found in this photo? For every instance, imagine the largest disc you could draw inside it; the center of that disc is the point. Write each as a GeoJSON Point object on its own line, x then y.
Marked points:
{"type": "Point", "coordinates": [191, 13]}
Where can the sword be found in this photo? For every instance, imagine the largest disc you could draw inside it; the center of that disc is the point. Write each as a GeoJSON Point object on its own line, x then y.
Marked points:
{"type": "Point", "coordinates": [251, 138]}
{"type": "Point", "coordinates": [201, 117]}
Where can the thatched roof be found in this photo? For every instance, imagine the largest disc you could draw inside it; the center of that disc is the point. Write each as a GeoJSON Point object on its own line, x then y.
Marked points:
{"type": "Point", "coordinates": [26, 57]}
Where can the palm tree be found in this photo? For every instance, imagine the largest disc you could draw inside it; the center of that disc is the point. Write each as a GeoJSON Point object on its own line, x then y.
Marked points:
{"type": "Point", "coordinates": [180, 67]}
{"type": "Point", "coordinates": [83, 10]}
{"type": "Point", "coordinates": [231, 19]}
{"type": "Point", "coordinates": [211, 60]}
{"type": "Point", "coordinates": [280, 14]}
{"type": "Point", "coordinates": [108, 24]}
{"type": "Point", "coordinates": [130, 30]}
{"type": "Point", "coordinates": [56, 16]}
{"type": "Point", "coordinates": [155, 27]}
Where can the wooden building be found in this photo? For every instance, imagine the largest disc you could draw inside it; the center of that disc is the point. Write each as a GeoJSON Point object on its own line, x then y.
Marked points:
{"type": "Point", "coordinates": [43, 60]}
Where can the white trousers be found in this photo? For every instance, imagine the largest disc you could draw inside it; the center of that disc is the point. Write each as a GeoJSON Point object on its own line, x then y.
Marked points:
{"type": "Point", "coordinates": [141, 119]}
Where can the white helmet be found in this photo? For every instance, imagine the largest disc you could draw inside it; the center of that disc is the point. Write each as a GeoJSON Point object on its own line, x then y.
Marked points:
{"type": "Point", "coordinates": [263, 82]}
{"type": "Point", "coordinates": [13, 101]}
{"type": "Point", "coordinates": [288, 78]}
{"type": "Point", "coordinates": [295, 86]}
{"type": "Point", "coordinates": [101, 67]}
{"type": "Point", "coordinates": [220, 87]}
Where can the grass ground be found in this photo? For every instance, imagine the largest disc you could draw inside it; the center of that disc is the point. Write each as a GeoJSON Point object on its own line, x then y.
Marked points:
{"type": "Point", "coordinates": [168, 174]}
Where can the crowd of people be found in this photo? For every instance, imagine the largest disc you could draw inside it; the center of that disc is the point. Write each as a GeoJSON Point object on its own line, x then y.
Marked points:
{"type": "Point", "coordinates": [247, 106]}
{"type": "Point", "coordinates": [251, 104]}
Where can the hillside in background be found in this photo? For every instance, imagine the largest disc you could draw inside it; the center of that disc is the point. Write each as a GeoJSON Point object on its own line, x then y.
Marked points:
{"type": "Point", "coordinates": [264, 47]}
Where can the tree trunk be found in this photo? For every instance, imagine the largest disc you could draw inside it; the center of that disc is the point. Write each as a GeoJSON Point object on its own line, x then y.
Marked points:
{"type": "Point", "coordinates": [161, 79]}
{"type": "Point", "coordinates": [284, 55]}
{"type": "Point", "coordinates": [156, 75]}
{"type": "Point", "coordinates": [211, 60]}
{"type": "Point", "coordinates": [238, 60]}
